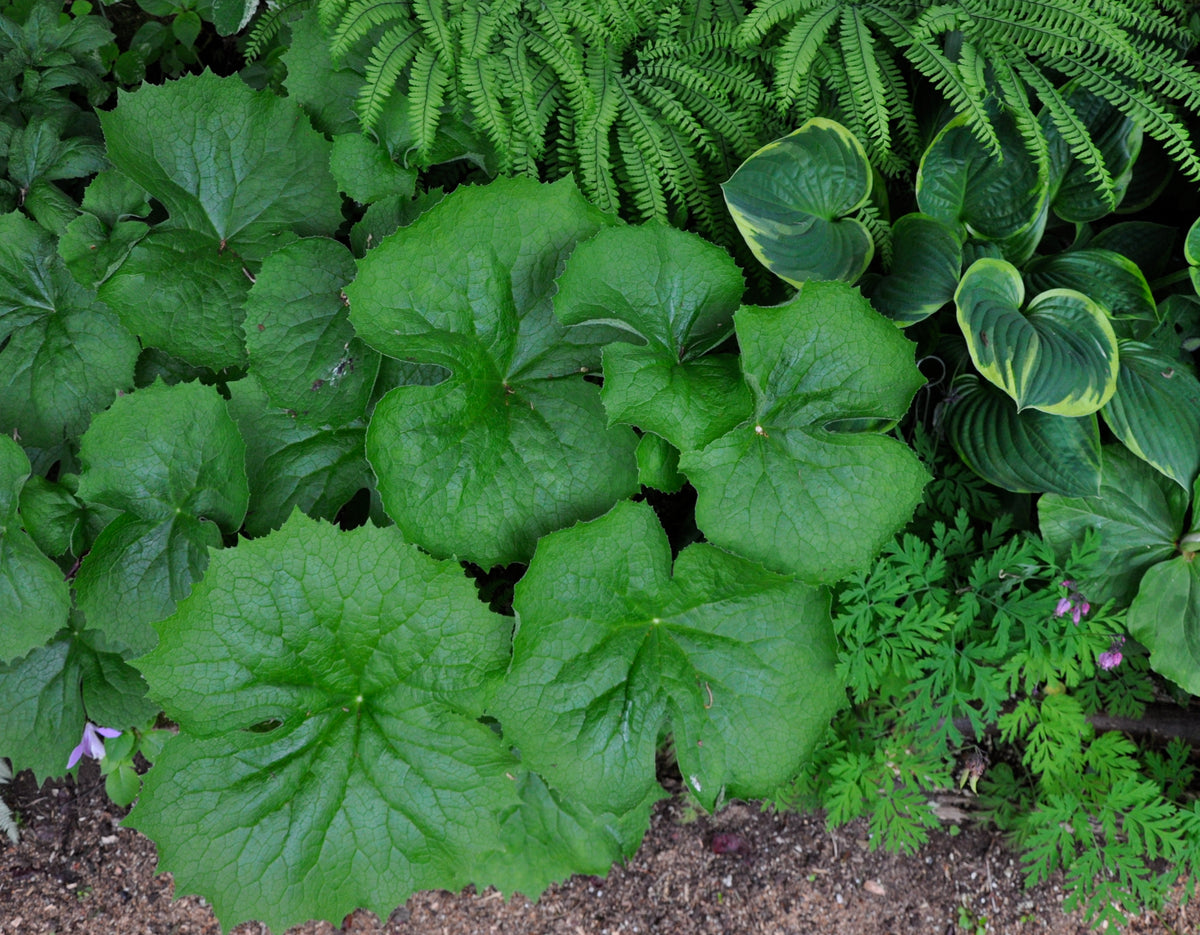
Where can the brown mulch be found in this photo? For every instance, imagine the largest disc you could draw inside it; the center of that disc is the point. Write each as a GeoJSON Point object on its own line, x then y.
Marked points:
{"type": "Point", "coordinates": [77, 870]}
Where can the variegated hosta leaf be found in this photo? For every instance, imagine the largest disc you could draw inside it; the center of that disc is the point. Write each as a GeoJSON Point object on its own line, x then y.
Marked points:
{"type": "Point", "coordinates": [1057, 355]}
{"type": "Point", "coordinates": [790, 200]}
{"type": "Point", "coordinates": [1156, 412]}
{"type": "Point", "coordinates": [927, 261]}
{"type": "Point", "coordinates": [1028, 452]}
{"type": "Point", "coordinates": [1107, 277]}
{"type": "Point", "coordinates": [962, 184]}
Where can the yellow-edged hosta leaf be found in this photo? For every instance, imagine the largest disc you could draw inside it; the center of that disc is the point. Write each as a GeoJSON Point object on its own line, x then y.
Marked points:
{"type": "Point", "coordinates": [1058, 354]}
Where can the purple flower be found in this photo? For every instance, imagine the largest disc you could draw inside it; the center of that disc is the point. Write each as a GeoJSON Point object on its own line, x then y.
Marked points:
{"type": "Point", "coordinates": [1073, 602]}
{"type": "Point", "coordinates": [1111, 658]}
{"type": "Point", "coordinates": [91, 745]}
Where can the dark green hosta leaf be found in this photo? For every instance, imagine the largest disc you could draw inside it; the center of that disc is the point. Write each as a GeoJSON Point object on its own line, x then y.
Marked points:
{"type": "Point", "coordinates": [237, 165]}
{"type": "Point", "coordinates": [790, 200]}
{"type": "Point", "coordinates": [1148, 245]}
{"type": "Point", "coordinates": [962, 184]}
{"type": "Point", "coordinates": [1156, 412]}
{"type": "Point", "coordinates": [1028, 452]}
{"type": "Point", "coordinates": [677, 294]}
{"type": "Point", "coordinates": [34, 601]}
{"type": "Point", "coordinates": [195, 316]}
{"type": "Point", "coordinates": [514, 444]}
{"type": "Point", "coordinates": [46, 697]}
{"type": "Point", "coordinates": [172, 460]}
{"type": "Point", "coordinates": [807, 486]}
{"type": "Point", "coordinates": [1075, 194]}
{"type": "Point", "coordinates": [1102, 275]}
{"type": "Point", "coordinates": [614, 648]}
{"type": "Point", "coordinates": [291, 464]}
{"type": "Point", "coordinates": [302, 346]}
{"type": "Point", "coordinates": [926, 264]}
{"type": "Point", "coordinates": [328, 687]}
{"type": "Point", "coordinates": [1057, 355]}
{"type": "Point", "coordinates": [66, 354]}
{"type": "Point", "coordinates": [1139, 514]}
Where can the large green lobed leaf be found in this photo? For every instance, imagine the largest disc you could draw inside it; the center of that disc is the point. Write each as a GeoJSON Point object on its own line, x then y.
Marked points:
{"type": "Point", "coordinates": [614, 648]}
{"type": "Point", "coordinates": [515, 443]}
{"type": "Point", "coordinates": [808, 486]}
{"type": "Point", "coordinates": [329, 686]}
{"type": "Point", "coordinates": [676, 294]}
{"type": "Point", "coordinates": [172, 460]}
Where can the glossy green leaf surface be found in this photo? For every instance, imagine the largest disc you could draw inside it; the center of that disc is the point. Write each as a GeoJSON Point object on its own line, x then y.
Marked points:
{"type": "Point", "coordinates": [1139, 514]}
{"type": "Point", "coordinates": [171, 459]}
{"type": "Point", "coordinates": [515, 443]}
{"type": "Point", "coordinates": [291, 464]}
{"type": "Point", "coordinates": [302, 346]}
{"type": "Point", "coordinates": [328, 686]}
{"type": "Point", "coordinates": [1027, 452]}
{"type": "Point", "coordinates": [34, 602]}
{"type": "Point", "coordinates": [658, 464]}
{"type": "Point", "coordinates": [807, 486]}
{"type": "Point", "coordinates": [1191, 253]}
{"type": "Point", "coordinates": [234, 164]}
{"type": "Point", "coordinates": [1156, 412]}
{"type": "Point", "coordinates": [791, 201]}
{"type": "Point", "coordinates": [1058, 354]}
{"type": "Point", "coordinates": [615, 647]}
{"type": "Point", "coordinates": [676, 295]}
{"type": "Point", "coordinates": [926, 265]}
{"type": "Point", "coordinates": [963, 185]}
{"type": "Point", "coordinates": [63, 353]}
{"type": "Point", "coordinates": [196, 317]}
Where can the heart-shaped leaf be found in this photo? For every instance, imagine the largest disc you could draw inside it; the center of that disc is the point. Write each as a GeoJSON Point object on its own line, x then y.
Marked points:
{"type": "Point", "coordinates": [515, 443]}
{"type": "Point", "coordinates": [964, 185]}
{"type": "Point", "coordinates": [1165, 618]}
{"type": "Point", "coordinates": [329, 690]}
{"type": "Point", "coordinates": [63, 353]}
{"type": "Point", "coordinates": [34, 601]}
{"type": "Point", "coordinates": [172, 460]}
{"type": "Point", "coordinates": [1057, 355]}
{"type": "Point", "coordinates": [1156, 412]}
{"type": "Point", "coordinates": [791, 202]}
{"type": "Point", "coordinates": [927, 260]}
{"type": "Point", "coordinates": [614, 648]}
{"type": "Point", "coordinates": [1028, 452]}
{"type": "Point", "coordinates": [1137, 512]}
{"type": "Point", "coordinates": [677, 294]}
{"type": "Point", "coordinates": [807, 486]}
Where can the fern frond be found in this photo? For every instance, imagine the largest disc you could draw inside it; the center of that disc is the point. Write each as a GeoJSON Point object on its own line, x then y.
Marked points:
{"type": "Point", "coordinates": [965, 97]}
{"type": "Point", "coordinates": [479, 25]}
{"type": "Point", "coordinates": [643, 185]}
{"type": "Point", "coordinates": [678, 116]}
{"type": "Point", "coordinates": [867, 92]}
{"type": "Point", "coordinates": [591, 136]}
{"type": "Point", "coordinates": [395, 49]}
{"type": "Point", "coordinates": [1037, 27]}
{"type": "Point", "coordinates": [437, 29]}
{"type": "Point", "coordinates": [795, 57]}
{"type": "Point", "coordinates": [1070, 127]}
{"type": "Point", "coordinates": [902, 107]}
{"type": "Point", "coordinates": [477, 78]}
{"type": "Point", "coordinates": [274, 14]}
{"type": "Point", "coordinates": [358, 21]}
{"type": "Point", "coordinates": [427, 83]}
{"type": "Point", "coordinates": [766, 15]}
{"type": "Point", "coordinates": [725, 121]}
{"type": "Point", "coordinates": [1015, 98]}
{"type": "Point", "coordinates": [1155, 119]}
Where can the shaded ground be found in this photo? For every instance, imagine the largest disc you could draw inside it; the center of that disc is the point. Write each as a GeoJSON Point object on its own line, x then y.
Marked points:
{"type": "Point", "coordinates": [77, 871]}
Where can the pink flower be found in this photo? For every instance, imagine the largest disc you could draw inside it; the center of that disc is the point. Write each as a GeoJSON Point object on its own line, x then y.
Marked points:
{"type": "Point", "coordinates": [91, 744]}
{"type": "Point", "coordinates": [1111, 658]}
{"type": "Point", "coordinates": [1073, 602]}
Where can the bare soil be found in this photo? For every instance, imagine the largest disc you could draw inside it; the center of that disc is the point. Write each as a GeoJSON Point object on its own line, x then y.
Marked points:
{"type": "Point", "coordinates": [76, 870]}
